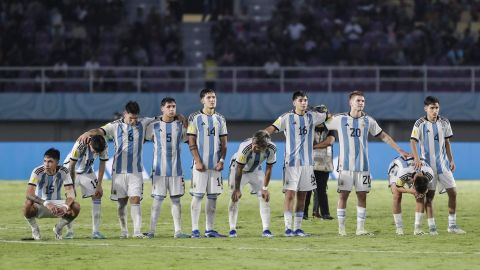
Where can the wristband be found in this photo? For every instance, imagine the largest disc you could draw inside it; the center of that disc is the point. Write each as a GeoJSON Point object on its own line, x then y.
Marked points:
{"type": "Point", "coordinates": [222, 160]}
{"type": "Point", "coordinates": [45, 203]}
{"type": "Point", "coordinates": [265, 188]}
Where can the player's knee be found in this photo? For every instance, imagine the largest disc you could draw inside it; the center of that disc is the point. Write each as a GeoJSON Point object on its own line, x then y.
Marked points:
{"type": "Point", "coordinates": [158, 197]}
{"type": "Point", "coordinates": [175, 200]}
{"type": "Point", "coordinates": [29, 209]}
{"type": "Point", "coordinates": [212, 196]}
{"type": "Point", "coordinates": [397, 196]}
{"type": "Point", "coordinates": [198, 195]}
{"type": "Point", "coordinates": [75, 209]}
{"type": "Point", "coordinates": [135, 199]}
{"type": "Point", "coordinates": [452, 193]}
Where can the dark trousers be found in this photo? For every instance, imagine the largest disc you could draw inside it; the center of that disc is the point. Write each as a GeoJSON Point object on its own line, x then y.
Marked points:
{"type": "Point", "coordinates": [320, 201]}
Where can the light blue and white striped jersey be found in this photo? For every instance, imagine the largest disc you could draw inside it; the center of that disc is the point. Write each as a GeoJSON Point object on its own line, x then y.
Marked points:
{"type": "Point", "coordinates": [353, 140]}
{"type": "Point", "coordinates": [431, 137]}
{"type": "Point", "coordinates": [49, 187]}
{"type": "Point", "coordinates": [128, 141]}
{"type": "Point", "coordinates": [84, 157]}
{"type": "Point", "coordinates": [298, 130]}
{"type": "Point", "coordinates": [166, 137]}
{"type": "Point", "coordinates": [208, 129]}
{"type": "Point", "coordinates": [252, 161]}
{"type": "Point", "coordinates": [403, 170]}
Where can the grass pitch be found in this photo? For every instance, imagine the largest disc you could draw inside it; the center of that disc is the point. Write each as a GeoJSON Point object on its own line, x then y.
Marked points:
{"type": "Point", "coordinates": [323, 250]}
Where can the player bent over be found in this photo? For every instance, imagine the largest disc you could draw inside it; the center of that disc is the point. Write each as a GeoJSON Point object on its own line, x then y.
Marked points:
{"type": "Point", "coordinates": [167, 132]}
{"type": "Point", "coordinates": [80, 164]}
{"type": "Point", "coordinates": [44, 195]}
{"type": "Point", "coordinates": [245, 168]}
{"type": "Point", "coordinates": [404, 178]}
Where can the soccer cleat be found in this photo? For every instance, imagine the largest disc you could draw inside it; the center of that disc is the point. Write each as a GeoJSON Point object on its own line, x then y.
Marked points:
{"type": "Point", "coordinates": [418, 232]}
{"type": "Point", "coordinates": [68, 235]}
{"type": "Point", "coordinates": [97, 235]}
{"type": "Point", "coordinates": [327, 217]}
{"type": "Point", "coordinates": [139, 236]}
{"type": "Point", "coordinates": [432, 230]}
{"type": "Point", "coordinates": [300, 233]}
{"type": "Point", "coordinates": [195, 234]}
{"type": "Point", "coordinates": [455, 230]}
{"type": "Point", "coordinates": [213, 234]}
{"type": "Point", "coordinates": [181, 235]}
{"type": "Point", "coordinates": [289, 233]}
{"type": "Point", "coordinates": [232, 234]}
{"type": "Point", "coordinates": [399, 232]}
{"type": "Point", "coordinates": [267, 234]}
{"type": "Point", "coordinates": [36, 233]}
{"type": "Point", "coordinates": [364, 233]}
{"type": "Point", "coordinates": [58, 234]}
{"type": "Point", "coordinates": [124, 235]}
{"type": "Point", "coordinates": [341, 231]}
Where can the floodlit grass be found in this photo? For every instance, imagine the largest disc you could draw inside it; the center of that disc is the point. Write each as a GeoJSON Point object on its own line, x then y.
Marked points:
{"type": "Point", "coordinates": [323, 250]}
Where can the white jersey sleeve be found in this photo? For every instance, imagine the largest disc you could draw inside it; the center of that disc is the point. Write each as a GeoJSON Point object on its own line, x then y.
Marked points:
{"type": "Point", "coordinates": [280, 123]}
{"type": "Point", "coordinates": [223, 127]}
{"type": "Point", "coordinates": [149, 132]}
{"type": "Point", "coordinates": [447, 128]}
{"type": "Point", "coordinates": [373, 127]}
{"type": "Point", "coordinates": [104, 154]}
{"type": "Point", "coordinates": [109, 128]}
{"type": "Point", "coordinates": [271, 154]}
{"type": "Point", "coordinates": [333, 123]}
{"type": "Point", "coordinates": [318, 118]}
{"type": "Point", "coordinates": [35, 176]}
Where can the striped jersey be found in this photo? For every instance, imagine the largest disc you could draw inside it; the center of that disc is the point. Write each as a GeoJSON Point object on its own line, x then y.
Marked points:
{"type": "Point", "coordinates": [208, 129]}
{"type": "Point", "coordinates": [49, 187]}
{"type": "Point", "coordinates": [84, 157]}
{"type": "Point", "coordinates": [431, 137]}
{"type": "Point", "coordinates": [128, 141]}
{"type": "Point", "coordinates": [166, 137]}
{"type": "Point", "coordinates": [353, 140]}
{"type": "Point", "coordinates": [252, 161]}
{"type": "Point", "coordinates": [403, 171]}
{"type": "Point", "coordinates": [298, 130]}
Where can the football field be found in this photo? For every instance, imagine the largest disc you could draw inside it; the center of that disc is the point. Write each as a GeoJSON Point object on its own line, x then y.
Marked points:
{"type": "Point", "coordinates": [323, 250]}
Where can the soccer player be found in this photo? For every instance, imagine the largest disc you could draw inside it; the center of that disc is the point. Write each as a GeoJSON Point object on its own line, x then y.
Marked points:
{"type": "Point", "coordinates": [404, 178]}
{"type": "Point", "coordinates": [128, 134]}
{"type": "Point", "coordinates": [353, 166]}
{"type": "Point", "coordinates": [44, 195]}
{"type": "Point", "coordinates": [167, 132]}
{"type": "Point", "coordinates": [433, 133]}
{"type": "Point", "coordinates": [207, 139]}
{"type": "Point", "coordinates": [245, 168]}
{"type": "Point", "coordinates": [298, 126]}
{"type": "Point", "coordinates": [80, 164]}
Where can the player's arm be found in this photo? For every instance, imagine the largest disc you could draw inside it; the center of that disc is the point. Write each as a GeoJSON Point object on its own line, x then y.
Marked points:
{"type": "Point", "coordinates": [223, 153]}
{"type": "Point", "coordinates": [71, 168]}
{"type": "Point", "coordinates": [85, 137]}
{"type": "Point", "coordinates": [192, 144]}
{"type": "Point", "coordinates": [266, 181]}
{"type": "Point", "coordinates": [416, 158]}
{"type": "Point", "coordinates": [101, 173]}
{"type": "Point", "coordinates": [448, 149]}
{"type": "Point", "coordinates": [325, 143]}
{"type": "Point", "coordinates": [271, 129]}
{"type": "Point", "coordinates": [70, 195]}
{"type": "Point", "coordinates": [237, 193]}
{"type": "Point", "coordinates": [30, 195]}
{"type": "Point", "coordinates": [388, 140]}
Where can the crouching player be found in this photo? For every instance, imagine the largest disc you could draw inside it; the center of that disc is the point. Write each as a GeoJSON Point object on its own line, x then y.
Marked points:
{"type": "Point", "coordinates": [404, 178]}
{"type": "Point", "coordinates": [245, 168]}
{"type": "Point", "coordinates": [44, 199]}
{"type": "Point", "coordinates": [80, 164]}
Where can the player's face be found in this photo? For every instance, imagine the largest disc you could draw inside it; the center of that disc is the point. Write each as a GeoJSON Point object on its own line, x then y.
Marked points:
{"type": "Point", "coordinates": [258, 148]}
{"type": "Point", "coordinates": [209, 101]}
{"type": "Point", "coordinates": [357, 103]}
{"type": "Point", "coordinates": [300, 104]}
{"type": "Point", "coordinates": [50, 164]}
{"type": "Point", "coordinates": [130, 118]}
{"type": "Point", "coordinates": [432, 110]}
{"type": "Point", "coordinates": [169, 109]}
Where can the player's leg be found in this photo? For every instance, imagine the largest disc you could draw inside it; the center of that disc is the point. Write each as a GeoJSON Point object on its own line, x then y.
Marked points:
{"type": "Point", "coordinates": [159, 192]}
{"type": "Point", "coordinates": [447, 180]}
{"type": "Point", "coordinates": [119, 194]}
{"type": "Point", "coordinates": [30, 213]}
{"type": "Point", "coordinates": [362, 184]}
{"type": "Point", "coordinates": [233, 206]}
{"type": "Point", "coordinates": [255, 179]}
{"type": "Point", "coordinates": [197, 190]}
{"type": "Point", "coordinates": [397, 209]}
{"type": "Point", "coordinates": [291, 176]}
{"type": "Point", "coordinates": [135, 193]}
{"type": "Point", "coordinates": [306, 183]}
{"type": "Point", "coordinates": [176, 187]}
{"type": "Point", "coordinates": [71, 214]}
{"type": "Point", "coordinates": [299, 207]}
{"type": "Point", "coordinates": [344, 187]}
{"type": "Point", "coordinates": [214, 188]}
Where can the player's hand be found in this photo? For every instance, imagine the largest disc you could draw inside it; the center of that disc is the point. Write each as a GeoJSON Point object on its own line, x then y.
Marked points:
{"type": "Point", "coordinates": [219, 166]}
{"type": "Point", "coordinates": [417, 163]}
{"type": "Point", "coordinates": [84, 138]}
{"type": "Point", "coordinates": [200, 167]}
{"type": "Point", "coordinates": [404, 154]}
{"type": "Point", "coordinates": [98, 191]}
{"type": "Point", "coordinates": [236, 195]}
{"type": "Point", "coordinates": [452, 166]}
{"type": "Point", "coordinates": [266, 195]}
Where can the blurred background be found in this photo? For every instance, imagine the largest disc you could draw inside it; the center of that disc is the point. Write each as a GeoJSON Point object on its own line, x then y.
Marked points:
{"type": "Point", "coordinates": [70, 65]}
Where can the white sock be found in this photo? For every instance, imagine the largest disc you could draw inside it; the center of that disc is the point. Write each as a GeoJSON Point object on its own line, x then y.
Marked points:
{"type": "Point", "coordinates": [233, 214]}
{"type": "Point", "coordinates": [264, 213]}
{"type": "Point", "coordinates": [210, 209]}
{"type": "Point", "coordinates": [452, 220]}
{"type": "Point", "coordinates": [70, 227]}
{"type": "Point", "coordinates": [431, 222]}
{"type": "Point", "coordinates": [177, 214]}
{"type": "Point", "coordinates": [287, 218]}
{"type": "Point", "coordinates": [195, 209]}
{"type": "Point", "coordinates": [136, 213]}
{"type": "Point", "coordinates": [155, 213]}
{"type": "Point", "coordinates": [122, 215]}
{"type": "Point", "coordinates": [96, 215]}
{"type": "Point", "coordinates": [418, 219]}
{"type": "Point", "coordinates": [398, 220]}
{"type": "Point", "coordinates": [341, 216]}
{"type": "Point", "coordinates": [63, 221]}
{"type": "Point", "coordinates": [33, 222]}
{"type": "Point", "coordinates": [297, 220]}
{"type": "Point", "coordinates": [361, 216]}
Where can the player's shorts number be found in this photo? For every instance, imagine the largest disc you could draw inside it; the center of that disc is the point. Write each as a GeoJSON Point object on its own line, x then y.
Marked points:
{"type": "Point", "coordinates": [94, 183]}
{"type": "Point", "coordinates": [367, 180]}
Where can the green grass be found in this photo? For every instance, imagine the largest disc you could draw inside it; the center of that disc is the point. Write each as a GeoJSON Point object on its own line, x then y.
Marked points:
{"type": "Point", "coordinates": [324, 250]}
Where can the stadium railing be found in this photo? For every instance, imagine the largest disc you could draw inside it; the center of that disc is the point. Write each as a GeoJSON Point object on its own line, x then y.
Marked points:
{"type": "Point", "coordinates": [240, 79]}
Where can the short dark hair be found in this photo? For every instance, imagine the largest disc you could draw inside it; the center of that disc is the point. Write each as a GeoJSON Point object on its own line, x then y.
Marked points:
{"type": "Point", "coordinates": [421, 184]}
{"type": "Point", "coordinates": [52, 153]}
{"type": "Point", "coordinates": [431, 100]}
{"type": "Point", "coordinates": [166, 100]}
{"type": "Point", "coordinates": [205, 91]}
{"type": "Point", "coordinates": [355, 93]}
{"type": "Point", "coordinates": [298, 94]}
{"type": "Point", "coordinates": [132, 107]}
{"type": "Point", "coordinates": [98, 143]}
{"type": "Point", "coordinates": [261, 137]}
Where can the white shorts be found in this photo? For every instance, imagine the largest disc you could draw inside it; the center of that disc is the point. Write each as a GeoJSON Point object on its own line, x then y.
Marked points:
{"type": "Point", "coordinates": [299, 178]}
{"type": "Point", "coordinates": [126, 185]}
{"type": "Point", "coordinates": [209, 181]}
{"type": "Point", "coordinates": [88, 183]}
{"type": "Point", "coordinates": [362, 181]}
{"type": "Point", "coordinates": [444, 181]}
{"type": "Point", "coordinates": [43, 212]}
{"type": "Point", "coordinates": [255, 179]}
{"type": "Point", "coordinates": [174, 185]}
